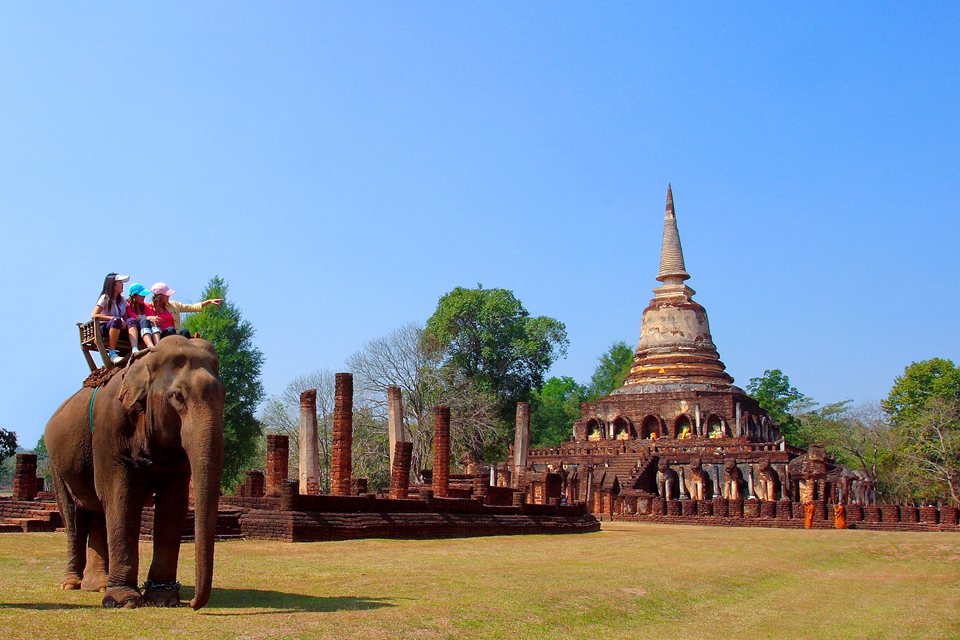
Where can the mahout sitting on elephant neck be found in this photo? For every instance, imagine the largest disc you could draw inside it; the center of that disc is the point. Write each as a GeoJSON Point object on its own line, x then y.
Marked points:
{"type": "Point", "coordinates": [159, 420]}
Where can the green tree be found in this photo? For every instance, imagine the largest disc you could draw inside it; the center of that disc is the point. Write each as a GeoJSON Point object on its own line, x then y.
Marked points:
{"type": "Point", "coordinates": [43, 464]}
{"type": "Point", "coordinates": [8, 446]}
{"type": "Point", "coordinates": [924, 409]}
{"type": "Point", "coordinates": [781, 401]}
{"type": "Point", "coordinates": [554, 408]}
{"type": "Point", "coordinates": [920, 383]}
{"type": "Point", "coordinates": [8, 443]}
{"type": "Point", "coordinates": [240, 364]}
{"type": "Point", "coordinates": [490, 337]}
{"type": "Point", "coordinates": [611, 371]}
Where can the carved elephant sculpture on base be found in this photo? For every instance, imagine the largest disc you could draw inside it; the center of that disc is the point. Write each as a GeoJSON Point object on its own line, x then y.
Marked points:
{"type": "Point", "coordinates": [699, 487]}
{"type": "Point", "coordinates": [144, 431]}
{"type": "Point", "coordinates": [668, 482]}
{"type": "Point", "coordinates": [732, 479]}
{"type": "Point", "coordinates": [767, 485]}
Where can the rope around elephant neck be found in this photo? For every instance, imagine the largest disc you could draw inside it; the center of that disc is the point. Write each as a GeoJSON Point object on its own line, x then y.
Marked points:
{"type": "Point", "coordinates": [92, 398]}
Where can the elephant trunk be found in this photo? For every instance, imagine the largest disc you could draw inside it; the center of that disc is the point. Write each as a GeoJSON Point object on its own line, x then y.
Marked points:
{"type": "Point", "coordinates": [205, 452]}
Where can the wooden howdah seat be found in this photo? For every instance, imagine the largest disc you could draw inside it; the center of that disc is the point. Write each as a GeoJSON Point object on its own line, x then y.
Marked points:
{"type": "Point", "coordinates": [92, 340]}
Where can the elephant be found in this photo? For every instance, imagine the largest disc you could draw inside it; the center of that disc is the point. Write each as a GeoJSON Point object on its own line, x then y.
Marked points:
{"type": "Point", "coordinates": [149, 425]}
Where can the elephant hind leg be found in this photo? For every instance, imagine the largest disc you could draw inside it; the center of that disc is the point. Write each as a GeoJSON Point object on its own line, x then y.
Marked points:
{"type": "Point", "coordinates": [95, 573]}
{"type": "Point", "coordinates": [75, 526]}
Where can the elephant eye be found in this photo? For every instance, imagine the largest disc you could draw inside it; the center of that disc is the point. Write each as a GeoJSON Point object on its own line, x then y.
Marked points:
{"type": "Point", "coordinates": [176, 396]}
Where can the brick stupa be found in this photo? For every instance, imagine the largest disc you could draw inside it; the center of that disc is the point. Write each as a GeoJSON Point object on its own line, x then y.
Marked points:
{"type": "Point", "coordinates": [678, 414]}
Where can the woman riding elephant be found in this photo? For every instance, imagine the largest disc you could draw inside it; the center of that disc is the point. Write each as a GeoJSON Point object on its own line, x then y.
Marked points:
{"type": "Point", "coordinates": [170, 310]}
{"type": "Point", "coordinates": [151, 425]}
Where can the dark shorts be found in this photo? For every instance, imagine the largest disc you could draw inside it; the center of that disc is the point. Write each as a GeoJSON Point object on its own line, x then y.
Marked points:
{"type": "Point", "coordinates": [113, 323]}
{"type": "Point", "coordinates": [170, 331]}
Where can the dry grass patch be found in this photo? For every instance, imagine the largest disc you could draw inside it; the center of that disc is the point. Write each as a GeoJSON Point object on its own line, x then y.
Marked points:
{"type": "Point", "coordinates": [627, 581]}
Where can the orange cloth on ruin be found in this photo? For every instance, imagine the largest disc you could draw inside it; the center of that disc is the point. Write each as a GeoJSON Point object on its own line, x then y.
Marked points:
{"type": "Point", "coordinates": [808, 508]}
{"type": "Point", "coordinates": [839, 517]}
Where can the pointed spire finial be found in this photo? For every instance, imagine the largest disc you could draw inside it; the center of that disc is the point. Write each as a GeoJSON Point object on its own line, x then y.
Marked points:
{"type": "Point", "coordinates": [672, 267]}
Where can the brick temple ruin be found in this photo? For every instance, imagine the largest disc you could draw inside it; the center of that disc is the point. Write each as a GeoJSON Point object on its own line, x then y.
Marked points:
{"type": "Point", "coordinates": [272, 506]}
{"type": "Point", "coordinates": [680, 443]}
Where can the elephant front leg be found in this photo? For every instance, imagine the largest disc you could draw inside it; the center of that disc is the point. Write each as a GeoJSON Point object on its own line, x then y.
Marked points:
{"type": "Point", "coordinates": [123, 505]}
{"type": "Point", "coordinates": [161, 588]}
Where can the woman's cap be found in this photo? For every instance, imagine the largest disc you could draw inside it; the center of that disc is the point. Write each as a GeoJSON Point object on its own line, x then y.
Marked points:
{"type": "Point", "coordinates": [161, 289]}
{"type": "Point", "coordinates": [137, 289]}
{"type": "Point", "coordinates": [120, 278]}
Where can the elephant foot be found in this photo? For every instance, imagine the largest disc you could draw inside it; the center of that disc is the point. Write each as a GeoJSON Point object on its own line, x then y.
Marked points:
{"type": "Point", "coordinates": [161, 598]}
{"type": "Point", "coordinates": [71, 583]}
{"type": "Point", "coordinates": [94, 583]}
{"type": "Point", "coordinates": [125, 597]}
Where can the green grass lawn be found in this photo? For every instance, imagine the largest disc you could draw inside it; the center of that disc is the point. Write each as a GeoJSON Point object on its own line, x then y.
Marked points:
{"type": "Point", "coordinates": [627, 581]}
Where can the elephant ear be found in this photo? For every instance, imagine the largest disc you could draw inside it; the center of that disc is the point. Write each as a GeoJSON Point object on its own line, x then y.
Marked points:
{"type": "Point", "coordinates": [133, 391]}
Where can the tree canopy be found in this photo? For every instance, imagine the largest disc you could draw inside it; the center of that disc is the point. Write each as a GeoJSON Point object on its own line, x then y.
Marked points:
{"type": "Point", "coordinates": [781, 400]}
{"type": "Point", "coordinates": [8, 443]}
{"type": "Point", "coordinates": [489, 337]}
{"type": "Point", "coordinates": [924, 410]}
{"type": "Point", "coordinates": [240, 364]}
{"type": "Point", "coordinates": [554, 408]}
{"type": "Point", "coordinates": [611, 371]}
{"type": "Point", "coordinates": [920, 383]}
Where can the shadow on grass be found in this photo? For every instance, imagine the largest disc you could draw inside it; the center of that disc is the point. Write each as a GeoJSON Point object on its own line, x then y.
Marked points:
{"type": "Point", "coordinates": [267, 602]}
{"type": "Point", "coordinates": [41, 606]}
{"type": "Point", "coordinates": [279, 602]}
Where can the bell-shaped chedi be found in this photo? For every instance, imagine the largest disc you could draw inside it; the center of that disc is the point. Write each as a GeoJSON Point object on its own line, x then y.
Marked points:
{"type": "Point", "coordinates": [676, 351]}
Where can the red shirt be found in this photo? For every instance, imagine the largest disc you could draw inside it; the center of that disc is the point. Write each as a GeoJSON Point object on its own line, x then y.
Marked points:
{"type": "Point", "coordinates": [165, 317]}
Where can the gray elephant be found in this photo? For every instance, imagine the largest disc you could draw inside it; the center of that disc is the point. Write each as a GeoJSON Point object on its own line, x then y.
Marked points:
{"type": "Point", "coordinates": [143, 431]}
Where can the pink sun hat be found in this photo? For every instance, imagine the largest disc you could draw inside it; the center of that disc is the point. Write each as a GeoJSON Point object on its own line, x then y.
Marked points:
{"type": "Point", "coordinates": [161, 289]}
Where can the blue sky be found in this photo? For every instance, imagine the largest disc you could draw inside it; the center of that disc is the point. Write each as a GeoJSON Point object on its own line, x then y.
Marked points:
{"type": "Point", "coordinates": [344, 165]}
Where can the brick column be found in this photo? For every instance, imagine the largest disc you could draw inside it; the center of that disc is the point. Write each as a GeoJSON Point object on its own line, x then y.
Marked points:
{"type": "Point", "coordinates": [394, 419]}
{"type": "Point", "coordinates": [400, 470]}
{"type": "Point", "coordinates": [441, 451]}
{"type": "Point", "coordinates": [309, 447]}
{"type": "Point", "coordinates": [25, 477]}
{"type": "Point", "coordinates": [253, 484]}
{"type": "Point", "coordinates": [341, 458]}
{"type": "Point", "coordinates": [278, 455]}
{"type": "Point", "coordinates": [521, 443]}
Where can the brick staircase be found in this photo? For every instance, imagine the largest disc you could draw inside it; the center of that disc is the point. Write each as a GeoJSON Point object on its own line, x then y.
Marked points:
{"type": "Point", "coordinates": [628, 469]}
{"type": "Point", "coordinates": [23, 516]}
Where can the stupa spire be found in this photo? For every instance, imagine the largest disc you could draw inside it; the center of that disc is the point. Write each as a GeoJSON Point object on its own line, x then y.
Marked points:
{"type": "Point", "coordinates": [672, 268]}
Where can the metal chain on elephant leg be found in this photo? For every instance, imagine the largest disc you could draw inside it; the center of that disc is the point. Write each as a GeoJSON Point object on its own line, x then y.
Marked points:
{"type": "Point", "coordinates": [161, 594]}
{"type": "Point", "coordinates": [154, 585]}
